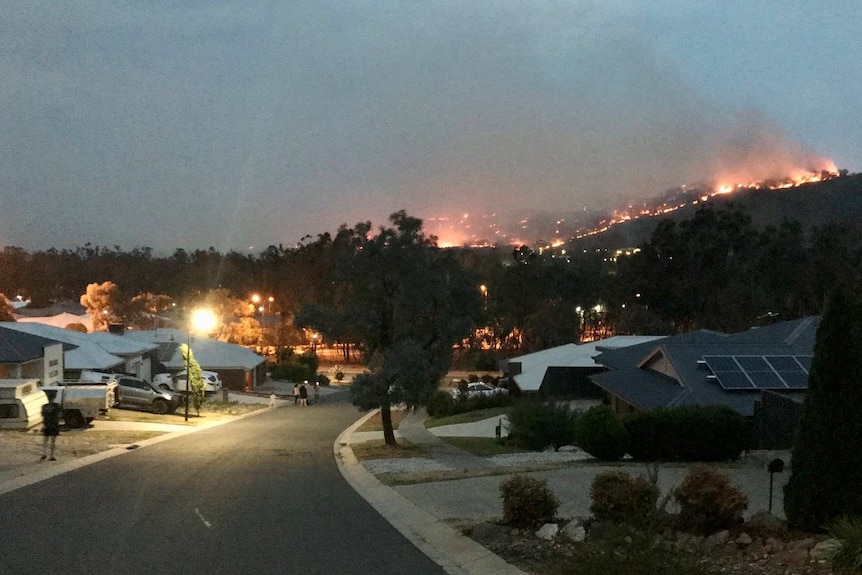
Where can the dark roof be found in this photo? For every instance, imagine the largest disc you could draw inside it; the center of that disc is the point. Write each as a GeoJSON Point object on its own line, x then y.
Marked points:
{"type": "Point", "coordinates": [632, 380]}
{"type": "Point", "coordinates": [17, 347]}
{"type": "Point", "coordinates": [65, 306]}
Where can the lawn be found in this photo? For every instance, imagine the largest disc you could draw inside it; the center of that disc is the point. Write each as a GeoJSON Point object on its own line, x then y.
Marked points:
{"type": "Point", "coordinates": [209, 412]}
{"type": "Point", "coordinates": [377, 449]}
{"type": "Point", "coordinates": [483, 446]}
{"type": "Point", "coordinates": [468, 417]}
{"type": "Point", "coordinates": [375, 422]}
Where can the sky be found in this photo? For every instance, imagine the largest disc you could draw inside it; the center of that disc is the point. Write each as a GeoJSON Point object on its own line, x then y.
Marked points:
{"type": "Point", "coordinates": [239, 124]}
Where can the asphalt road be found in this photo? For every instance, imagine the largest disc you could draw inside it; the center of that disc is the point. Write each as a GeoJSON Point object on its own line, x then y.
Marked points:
{"type": "Point", "coordinates": [260, 495]}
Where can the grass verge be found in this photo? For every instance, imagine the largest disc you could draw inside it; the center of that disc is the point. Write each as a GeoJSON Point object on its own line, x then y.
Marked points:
{"type": "Point", "coordinates": [377, 449]}
{"type": "Point", "coordinates": [483, 446]}
{"type": "Point", "coordinates": [375, 422]}
{"type": "Point", "coordinates": [468, 417]}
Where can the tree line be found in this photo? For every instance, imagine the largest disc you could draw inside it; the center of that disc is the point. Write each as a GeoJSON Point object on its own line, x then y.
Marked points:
{"type": "Point", "coordinates": [714, 271]}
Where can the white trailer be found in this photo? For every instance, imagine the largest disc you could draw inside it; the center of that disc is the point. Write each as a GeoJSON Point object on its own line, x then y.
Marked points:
{"type": "Point", "coordinates": [82, 403]}
{"type": "Point", "coordinates": [21, 402]}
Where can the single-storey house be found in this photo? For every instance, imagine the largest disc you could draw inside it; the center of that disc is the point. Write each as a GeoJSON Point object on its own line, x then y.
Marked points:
{"type": "Point", "coordinates": [26, 356]}
{"type": "Point", "coordinates": [239, 368]}
{"type": "Point", "coordinates": [98, 351]}
{"type": "Point", "coordinates": [564, 370]}
{"type": "Point", "coordinates": [712, 368]}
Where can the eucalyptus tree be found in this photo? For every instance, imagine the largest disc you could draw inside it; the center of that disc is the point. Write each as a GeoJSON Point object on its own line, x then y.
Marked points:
{"type": "Point", "coordinates": [405, 302]}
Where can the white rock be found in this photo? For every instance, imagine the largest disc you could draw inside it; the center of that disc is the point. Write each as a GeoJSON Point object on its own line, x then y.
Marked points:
{"type": "Point", "coordinates": [575, 531]}
{"type": "Point", "coordinates": [548, 531]}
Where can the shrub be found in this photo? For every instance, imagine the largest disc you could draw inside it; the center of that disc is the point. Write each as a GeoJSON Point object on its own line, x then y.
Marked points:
{"type": "Point", "coordinates": [848, 532]}
{"type": "Point", "coordinates": [472, 378]}
{"type": "Point", "coordinates": [322, 379]}
{"type": "Point", "coordinates": [339, 375]}
{"type": "Point", "coordinates": [708, 501]}
{"type": "Point", "coordinates": [620, 498]}
{"type": "Point", "coordinates": [687, 434]}
{"type": "Point", "coordinates": [537, 425]}
{"type": "Point", "coordinates": [601, 434]}
{"type": "Point", "coordinates": [527, 502]}
{"type": "Point", "coordinates": [440, 404]}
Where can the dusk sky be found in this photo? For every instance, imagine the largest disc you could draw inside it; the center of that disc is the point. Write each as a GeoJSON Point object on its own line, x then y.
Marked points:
{"type": "Point", "coordinates": [241, 123]}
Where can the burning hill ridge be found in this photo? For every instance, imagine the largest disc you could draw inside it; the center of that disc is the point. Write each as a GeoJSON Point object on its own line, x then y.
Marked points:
{"type": "Point", "coordinates": [684, 196]}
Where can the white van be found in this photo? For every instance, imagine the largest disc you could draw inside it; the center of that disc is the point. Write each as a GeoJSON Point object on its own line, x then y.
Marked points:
{"type": "Point", "coordinates": [21, 402]}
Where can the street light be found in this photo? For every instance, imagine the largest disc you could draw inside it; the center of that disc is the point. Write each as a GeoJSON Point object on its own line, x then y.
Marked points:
{"type": "Point", "coordinates": [201, 320]}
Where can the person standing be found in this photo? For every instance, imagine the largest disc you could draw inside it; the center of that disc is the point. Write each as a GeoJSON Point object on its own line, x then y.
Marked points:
{"type": "Point", "coordinates": [295, 393]}
{"type": "Point", "coordinates": [272, 400]}
{"type": "Point", "coordinates": [316, 392]}
{"type": "Point", "coordinates": [303, 394]}
{"type": "Point", "coordinates": [50, 428]}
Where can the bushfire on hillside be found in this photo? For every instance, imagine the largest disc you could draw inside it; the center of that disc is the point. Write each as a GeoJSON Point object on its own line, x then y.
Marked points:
{"type": "Point", "coordinates": [488, 230]}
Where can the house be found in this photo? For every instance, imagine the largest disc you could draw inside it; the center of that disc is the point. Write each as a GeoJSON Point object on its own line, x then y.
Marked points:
{"type": "Point", "coordinates": [564, 370]}
{"type": "Point", "coordinates": [761, 371]}
{"type": "Point", "coordinates": [27, 356]}
{"type": "Point", "coordinates": [239, 368]}
{"type": "Point", "coordinates": [98, 351]}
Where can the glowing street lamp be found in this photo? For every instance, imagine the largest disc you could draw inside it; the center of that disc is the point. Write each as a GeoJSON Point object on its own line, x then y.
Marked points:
{"type": "Point", "coordinates": [201, 320]}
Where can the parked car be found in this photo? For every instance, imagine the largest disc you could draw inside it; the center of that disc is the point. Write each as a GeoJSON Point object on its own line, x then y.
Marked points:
{"type": "Point", "coordinates": [478, 388]}
{"type": "Point", "coordinates": [135, 393]}
{"type": "Point", "coordinates": [177, 381]}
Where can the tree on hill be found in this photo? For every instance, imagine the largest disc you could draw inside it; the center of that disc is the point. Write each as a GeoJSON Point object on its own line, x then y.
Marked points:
{"type": "Point", "coordinates": [826, 481]}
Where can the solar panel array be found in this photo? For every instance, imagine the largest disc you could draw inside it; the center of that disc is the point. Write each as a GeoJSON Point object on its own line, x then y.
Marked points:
{"type": "Point", "coordinates": [760, 371]}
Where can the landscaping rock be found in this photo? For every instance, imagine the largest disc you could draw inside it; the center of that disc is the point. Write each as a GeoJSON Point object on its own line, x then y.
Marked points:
{"type": "Point", "coordinates": [575, 531]}
{"type": "Point", "coordinates": [548, 531]}
{"type": "Point", "coordinates": [824, 550]}
{"type": "Point", "coordinates": [744, 540]}
{"type": "Point", "coordinates": [766, 523]}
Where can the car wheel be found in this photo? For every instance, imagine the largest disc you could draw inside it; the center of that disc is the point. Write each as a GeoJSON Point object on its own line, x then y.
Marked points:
{"type": "Point", "coordinates": [160, 407]}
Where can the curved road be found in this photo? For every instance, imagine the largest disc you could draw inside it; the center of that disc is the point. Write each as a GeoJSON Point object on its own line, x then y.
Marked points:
{"type": "Point", "coordinates": [260, 495]}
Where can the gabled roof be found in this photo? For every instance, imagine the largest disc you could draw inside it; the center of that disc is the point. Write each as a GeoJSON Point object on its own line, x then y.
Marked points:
{"type": "Point", "coordinates": [210, 353]}
{"type": "Point", "coordinates": [114, 344]}
{"type": "Point", "coordinates": [86, 354]}
{"type": "Point", "coordinates": [60, 320]}
{"type": "Point", "coordinates": [634, 378]}
{"type": "Point", "coordinates": [18, 347]}
{"type": "Point", "coordinates": [535, 365]}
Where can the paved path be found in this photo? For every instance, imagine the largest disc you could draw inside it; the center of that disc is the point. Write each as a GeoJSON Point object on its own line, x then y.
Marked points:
{"type": "Point", "coordinates": [412, 428]}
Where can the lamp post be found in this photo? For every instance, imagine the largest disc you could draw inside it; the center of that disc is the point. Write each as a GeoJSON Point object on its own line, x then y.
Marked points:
{"type": "Point", "coordinates": [201, 320]}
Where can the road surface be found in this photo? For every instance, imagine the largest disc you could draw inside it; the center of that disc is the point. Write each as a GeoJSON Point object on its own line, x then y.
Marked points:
{"type": "Point", "coordinates": [261, 495]}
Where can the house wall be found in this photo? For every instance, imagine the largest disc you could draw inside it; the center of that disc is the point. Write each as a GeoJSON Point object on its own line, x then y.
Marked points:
{"type": "Point", "coordinates": [620, 406]}
{"type": "Point", "coordinates": [234, 379]}
{"type": "Point", "coordinates": [52, 365]}
{"type": "Point", "coordinates": [571, 382]}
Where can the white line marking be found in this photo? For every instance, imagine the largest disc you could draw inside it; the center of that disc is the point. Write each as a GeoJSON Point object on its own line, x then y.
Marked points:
{"type": "Point", "coordinates": [203, 519]}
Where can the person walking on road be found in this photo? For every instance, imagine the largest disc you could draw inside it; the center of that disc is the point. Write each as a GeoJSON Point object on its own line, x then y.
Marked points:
{"type": "Point", "coordinates": [303, 394]}
{"type": "Point", "coordinates": [50, 429]}
{"type": "Point", "coordinates": [295, 393]}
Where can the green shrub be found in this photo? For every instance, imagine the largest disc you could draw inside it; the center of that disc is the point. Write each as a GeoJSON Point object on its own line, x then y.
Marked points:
{"type": "Point", "coordinates": [322, 379]}
{"type": "Point", "coordinates": [620, 498]}
{"type": "Point", "coordinates": [687, 434]}
{"type": "Point", "coordinates": [708, 502]}
{"type": "Point", "coordinates": [848, 532]}
{"type": "Point", "coordinates": [472, 378]}
{"type": "Point", "coordinates": [527, 502]}
{"type": "Point", "coordinates": [536, 425]}
{"type": "Point", "coordinates": [440, 404]}
{"type": "Point", "coordinates": [339, 375]}
{"type": "Point", "coordinates": [601, 434]}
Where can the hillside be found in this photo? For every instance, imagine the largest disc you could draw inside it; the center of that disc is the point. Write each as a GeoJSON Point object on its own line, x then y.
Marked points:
{"type": "Point", "coordinates": [815, 204]}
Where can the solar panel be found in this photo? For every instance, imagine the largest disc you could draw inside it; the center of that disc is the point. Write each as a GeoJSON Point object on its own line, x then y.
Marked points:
{"type": "Point", "coordinates": [805, 360]}
{"type": "Point", "coordinates": [731, 380]}
{"type": "Point", "coordinates": [751, 363]}
{"type": "Point", "coordinates": [750, 372]}
{"type": "Point", "coordinates": [719, 363]}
